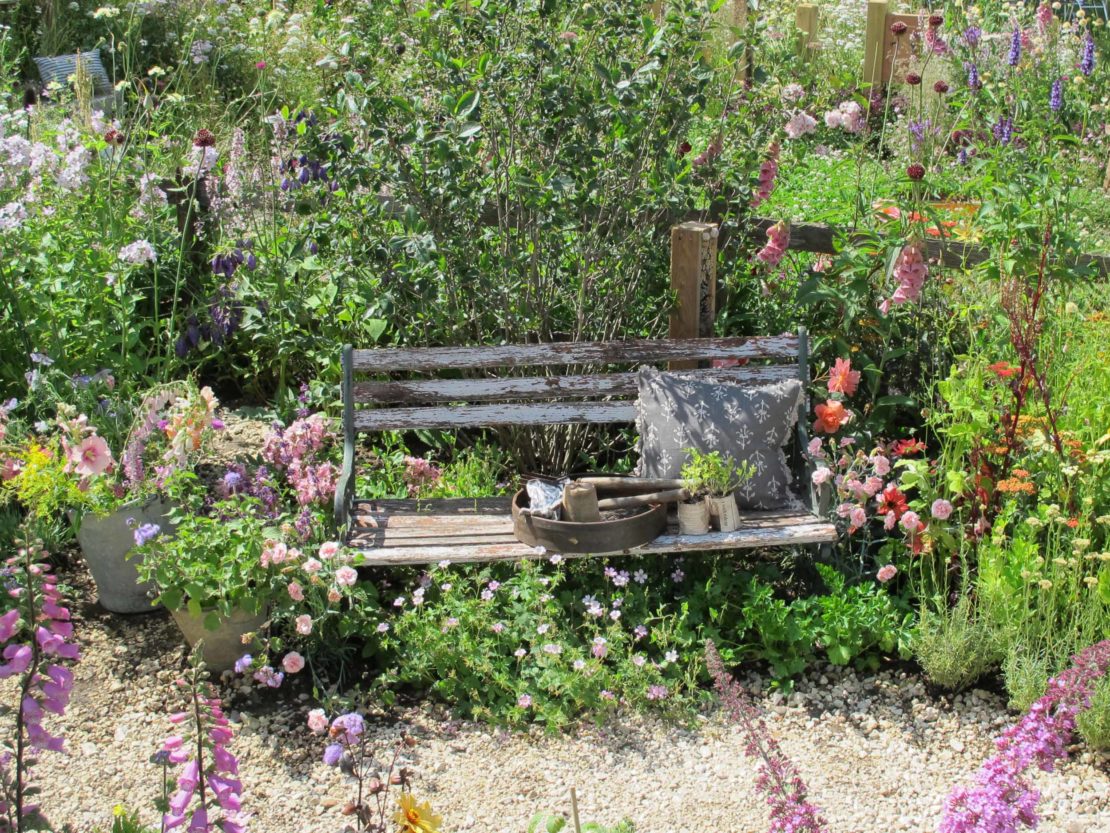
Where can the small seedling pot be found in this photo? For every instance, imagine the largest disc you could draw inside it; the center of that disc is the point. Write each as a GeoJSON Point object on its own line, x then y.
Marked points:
{"type": "Point", "coordinates": [693, 518]}
{"type": "Point", "coordinates": [724, 513]}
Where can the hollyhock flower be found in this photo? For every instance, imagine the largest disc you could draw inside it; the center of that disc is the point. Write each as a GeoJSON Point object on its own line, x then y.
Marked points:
{"type": "Point", "coordinates": [830, 417]}
{"type": "Point", "coordinates": [842, 379]}
{"type": "Point", "coordinates": [317, 721]}
{"type": "Point", "coordinates": [346, 576]}
{"type": "Point", "coordinates": [799, 125]}
{"type": "Point", "coordinates": [941, 509]}
{"type": "Point", "coordinates": [886, 573]}
{"type": "Point", "coordinates": [292, 662]}
{"type": "Point", "coordinates": [91, 456]}
{"type": "Point", "coordinates": [304, 624]}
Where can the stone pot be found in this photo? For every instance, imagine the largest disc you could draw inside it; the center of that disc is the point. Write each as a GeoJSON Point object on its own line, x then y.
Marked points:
{"type": "Point", "coordinates": [724, 513]}
{"type": "Point", "coordinates": [105, 542]}
{"type": "Point", "coordinates": [693, 518]}
{"type": "Point", "coordinates": [223, 645]}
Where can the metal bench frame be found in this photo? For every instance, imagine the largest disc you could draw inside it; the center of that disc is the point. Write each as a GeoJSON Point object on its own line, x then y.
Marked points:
{"type": "Point", "coordinates": [394, 532]}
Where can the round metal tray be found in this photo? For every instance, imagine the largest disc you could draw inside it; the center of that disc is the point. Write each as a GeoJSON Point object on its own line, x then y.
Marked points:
{"type": "Point", "coordinates": [615, 535]}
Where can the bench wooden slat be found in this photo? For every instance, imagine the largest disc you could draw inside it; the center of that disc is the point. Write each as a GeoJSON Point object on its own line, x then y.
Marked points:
{"type": "Point", "coordinates": [387, 360]}
{"type": "Point", "coordinates": [410, 553]}
{"type": "Point", "coordinates": [470, 416]}
{"type": "Point", "coordinates": [544, 388]}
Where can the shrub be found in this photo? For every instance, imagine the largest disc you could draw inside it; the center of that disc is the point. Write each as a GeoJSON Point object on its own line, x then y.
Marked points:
{"type": "Point", "coordinates": [956, 646]}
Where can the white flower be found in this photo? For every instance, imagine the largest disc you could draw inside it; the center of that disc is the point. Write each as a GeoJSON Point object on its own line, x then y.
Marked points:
{"type": "Point", "coordinates": [671, 656]}
{"type": "Point", "coordinates": [138, 253]}
{"type": "Point", "coordinates": [105, 13]}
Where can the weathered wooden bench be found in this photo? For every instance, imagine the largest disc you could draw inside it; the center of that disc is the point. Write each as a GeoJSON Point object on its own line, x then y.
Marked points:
{"type": "Point", "coordinates": [394, 532]}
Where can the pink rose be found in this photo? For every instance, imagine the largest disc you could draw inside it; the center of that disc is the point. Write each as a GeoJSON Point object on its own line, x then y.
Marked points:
{"type": "Point", "coordinates": [296, 593]}
{"type": "Point", "coordinates": [941, 509]}
{"type": "Point", "coordinates": [910, 521]}
{"type": "Point", "coordinates": [317, 721]}
{"type": "Point", "coordinates": [346, 576]}
{"type": "Point", "coordinates": [293, 662]}
{"type": "Point", "coordinates": [886, 573]}
{"type": "Point", "coordinates": [304, 624]}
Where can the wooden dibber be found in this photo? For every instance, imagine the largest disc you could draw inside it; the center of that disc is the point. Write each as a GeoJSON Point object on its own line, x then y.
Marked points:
{"type": "Point", "coordinates": [630, 501]}
{"type": "Point", "coordinates": [629, 484]}
{"type": "Point", "coordinates": [580, 503]}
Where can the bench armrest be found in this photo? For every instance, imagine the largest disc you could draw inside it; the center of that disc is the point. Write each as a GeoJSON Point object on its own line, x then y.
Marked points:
{"type": "Point", "coordinates": [344, 488]}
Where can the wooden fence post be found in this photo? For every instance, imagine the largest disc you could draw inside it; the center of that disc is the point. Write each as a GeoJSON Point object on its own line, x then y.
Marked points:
{"type": "Point", "coordinates": [694, 281]}
{"type": "Point", "coordinates": [874, 42]}
{"type": "Point", "coordinates": [806, 23]}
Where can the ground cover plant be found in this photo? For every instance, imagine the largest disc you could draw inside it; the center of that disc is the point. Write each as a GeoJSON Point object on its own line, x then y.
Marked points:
{"type": "Point", "coordinates": [280, 179]}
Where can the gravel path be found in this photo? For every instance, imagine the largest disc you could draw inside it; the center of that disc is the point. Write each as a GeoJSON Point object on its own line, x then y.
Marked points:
{"type": "Point", "coordinates": [878, 752]}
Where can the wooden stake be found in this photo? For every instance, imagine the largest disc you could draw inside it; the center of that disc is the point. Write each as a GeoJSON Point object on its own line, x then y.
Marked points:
{"type": "Point", "coordinates": [874, 42]}
{"type": "Point", "coordinates": [805, 16]}
{"type": "Point", "coordinates": [694, 281]}
{"type": "Point", "coordinates": [574, 810]}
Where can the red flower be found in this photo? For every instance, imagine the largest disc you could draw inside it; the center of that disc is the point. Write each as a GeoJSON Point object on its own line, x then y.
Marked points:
{"type": "Point", "coordinates": [892, 500]}
{"type": "Point", "coordinates": [935, 20]}
{"type": "Point", "coordinates": [1072, 523]}
{"type": "Point", "coordinates": [902, 448]}
{"type": "Point", "coordinates": [830, 417]}
{"type": "Point", "coordinates": [204, 139]}
{"type": "Point", "coordinates": [916, 171]}
{"type": "Point", "coordinates": [913, 79]}
{"type": "Point", "coordinates": [941, 87]}
{"type": "Point", "coordinates": [842, 379]}
{"type": "Point", "coordinates": [898, 28]}
{"type": "Point", "coordinates": [1003, 370]}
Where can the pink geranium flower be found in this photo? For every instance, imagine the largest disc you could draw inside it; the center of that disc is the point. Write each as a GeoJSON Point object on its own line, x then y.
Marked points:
{"type": "Point", "coordinates": [91, 456]}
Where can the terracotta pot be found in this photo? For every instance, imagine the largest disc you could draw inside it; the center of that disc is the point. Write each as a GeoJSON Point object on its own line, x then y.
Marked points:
{"type": "Point", "coordinates": [105, 542]}
{"type": "Point", "coordinates": [223, 645]}
{"type": "Point", "coordinates": [724, 512]}
{"type": "Point", "coordinates": [693, 518]}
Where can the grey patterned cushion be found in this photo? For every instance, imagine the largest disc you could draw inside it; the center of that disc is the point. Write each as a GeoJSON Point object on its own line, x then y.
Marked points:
{"type": "Point", "coordinates": [746, 423]}
{"type": "Point", "coordinates": [59, 68]}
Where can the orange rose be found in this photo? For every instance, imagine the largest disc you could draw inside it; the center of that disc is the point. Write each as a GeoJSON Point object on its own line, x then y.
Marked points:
{"type": "Point", "coordinates": [830, 417]}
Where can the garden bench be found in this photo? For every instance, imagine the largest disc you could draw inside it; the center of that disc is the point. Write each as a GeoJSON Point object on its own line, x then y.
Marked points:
{"type": "Point", "coordinates": [395, 532]}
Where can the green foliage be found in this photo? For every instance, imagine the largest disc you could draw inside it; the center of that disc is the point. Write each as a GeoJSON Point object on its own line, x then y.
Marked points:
{"type": "Point", "coordinates": [956, 646]}
{"type": "Point", "coordinates": [1094, 722]}
{"type": "Point", "coordinates": [552, 823]}
{"type": "Point", "coordinates": [714, 474]}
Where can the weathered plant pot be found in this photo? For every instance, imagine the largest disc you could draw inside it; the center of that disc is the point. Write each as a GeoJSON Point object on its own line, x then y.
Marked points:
{"type": "Point", "coordinates": [724, 513]}
{"type": "Point", "coordinates": [223, 645]}
{"type": "Point", "coordinates": [693, 518]}
{"type": "Point", "coordinates": [105, 542]}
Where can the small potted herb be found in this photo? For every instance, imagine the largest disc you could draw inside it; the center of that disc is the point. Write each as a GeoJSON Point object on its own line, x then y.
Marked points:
{"type": "Point", "coordinates": [711, 479]}
{"type": "Point", "coordinates": [218, 575]}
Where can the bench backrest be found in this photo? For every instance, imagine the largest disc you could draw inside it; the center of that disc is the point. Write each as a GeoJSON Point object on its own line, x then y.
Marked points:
{"type": "Point", "coordinates": [591, 391]}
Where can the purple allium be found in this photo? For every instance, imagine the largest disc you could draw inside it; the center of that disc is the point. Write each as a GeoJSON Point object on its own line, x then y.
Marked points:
{"type": "Point", "coordinates": [1087, 61]}
{"type": "Point", "coordinates": [1015, 48]}
{"type": "Point", "coordinates": [1056, 97]}
{"type": "Point", "coordinates": [146, 533]}
{"type": "Point", "coordinates": [778, 778]}
{"type": "Point", "coordinates": [1002, 798]}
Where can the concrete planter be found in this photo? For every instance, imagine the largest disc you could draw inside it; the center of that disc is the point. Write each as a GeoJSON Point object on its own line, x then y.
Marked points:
{"type": "Point", "coordinates": [105, 542]}
{"type": "Point", "coordinates": [223, 645]}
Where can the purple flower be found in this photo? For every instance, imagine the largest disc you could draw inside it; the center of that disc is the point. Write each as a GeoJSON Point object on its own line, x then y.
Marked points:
{"type": "Point", "coordinates": [1002, 797]}
{"type": "Point", "coordinates": [333, 753]}
{"type": "Point", "coordinates": [1004, 130]}
{"type": "Point", "coordinates": [243, 663]}
{"type": "Point", "coordinates": [972, 34]}
{"type": "Point", "coordinates": [1087, 61]}
{"type": "Point", "coordinates": [1015, 48]}
{"type": "Point", "coordinates": [657, 692]}
{"type": "Point", "coordinates": [973, 82]}
{"type": "Point", "coordinates": [1056, 98]}
{"type": "Point", "coordinates": [146, 533]}
{"type": "Point", "coordinates": [350, 725]}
